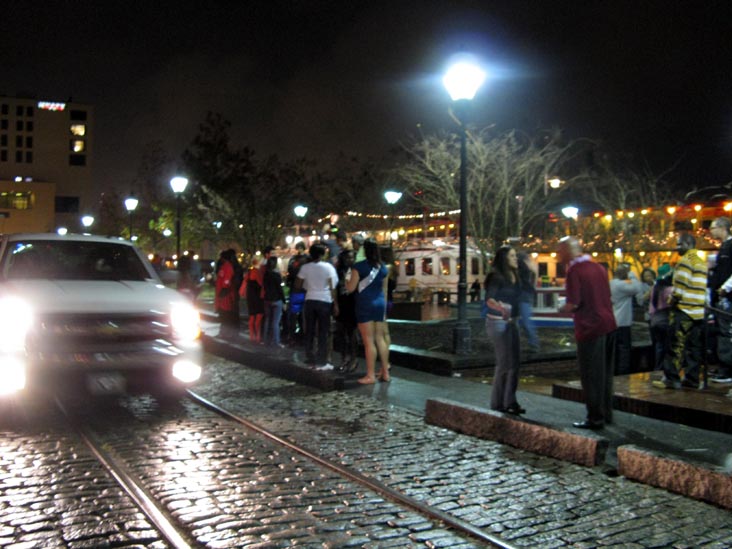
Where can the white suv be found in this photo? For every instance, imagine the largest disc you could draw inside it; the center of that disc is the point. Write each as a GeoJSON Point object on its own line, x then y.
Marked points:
{"type": "Point", "coordinates": [90, 312]}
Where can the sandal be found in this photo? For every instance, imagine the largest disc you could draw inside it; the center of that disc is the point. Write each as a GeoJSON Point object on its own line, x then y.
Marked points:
{"type": "Point", "coordinates": [367, 380]}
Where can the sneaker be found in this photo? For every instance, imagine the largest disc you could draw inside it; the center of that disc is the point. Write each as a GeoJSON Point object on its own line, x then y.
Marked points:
{"type": "Point", "coordinates": [325, 367]}
{"type": "Point", "coordinates": [720, 379]}
{"type": "Point", "coordinates": [666, 384]}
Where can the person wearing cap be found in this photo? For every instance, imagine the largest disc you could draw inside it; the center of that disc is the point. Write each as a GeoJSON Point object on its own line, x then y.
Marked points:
{"type": "Point", "coordinates": [681, 363]}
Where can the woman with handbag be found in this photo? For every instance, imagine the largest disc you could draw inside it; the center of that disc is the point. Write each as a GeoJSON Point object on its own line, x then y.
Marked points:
{"type": "Point", "coordinates": [502, 299]}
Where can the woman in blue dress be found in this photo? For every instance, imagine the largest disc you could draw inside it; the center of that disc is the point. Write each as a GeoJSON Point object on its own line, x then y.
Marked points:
{"type": "Point", "coordinates": [371, 278]}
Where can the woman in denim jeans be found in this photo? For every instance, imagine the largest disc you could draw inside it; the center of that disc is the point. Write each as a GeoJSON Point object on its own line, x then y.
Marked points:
{"type": "Point", "coordinates": [274, 298]}
{"type": "Point", "coordinates": [503, 295]}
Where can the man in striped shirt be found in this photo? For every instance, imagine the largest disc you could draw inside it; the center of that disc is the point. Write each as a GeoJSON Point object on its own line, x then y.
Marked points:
{"type": "Point", "coordinates": [681, 364]}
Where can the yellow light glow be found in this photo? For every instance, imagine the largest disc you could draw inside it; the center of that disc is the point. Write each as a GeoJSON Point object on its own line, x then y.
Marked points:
{"type": "Point", "coordinates": [642, 254]}
{"type": "Point", "coordinates": [620, 213]}
{"type": "Point", "coordinates": [644, 211]}
{"type": "Point", "coordinates": [671, 210]}
{"type": "Point", "coordinates": [594, 254]}
{"type": "Point", "coordinates": [596, 214]}
{"type": "Point", "coordinates": [553, 254]}
{"type": "Point", "coordinates": [631, 214]}
{"type": "Point", "coordinates": [534, 255]}
{"type": "Point", "coordinates": [694, 221]}
{"type": "Point", "coordinates": [697, 207]}
{"type": "Point", "coordinates": [608, 218]}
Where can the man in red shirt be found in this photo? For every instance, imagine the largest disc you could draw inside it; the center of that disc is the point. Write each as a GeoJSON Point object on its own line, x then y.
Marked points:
{"type": "Point", "coordinates": [588, 299]}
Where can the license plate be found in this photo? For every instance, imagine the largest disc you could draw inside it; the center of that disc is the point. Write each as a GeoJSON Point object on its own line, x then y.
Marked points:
{"type": "Point", "coordinates": [108, 383]}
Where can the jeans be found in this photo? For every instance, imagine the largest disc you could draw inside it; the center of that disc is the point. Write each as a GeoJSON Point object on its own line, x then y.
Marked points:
{"type": "Point", "coordinates": [317, 320]}
{"type": "Point", "coordinates": [505, 338]}
{"type": "Point", "coordinates": [272, 316]}
{"type": "Point", "coordinates": [525, 308]}
{"type": "Point", "coordinates": [623, 347]}
{"type": "Point", "coordinates": [685, 354]}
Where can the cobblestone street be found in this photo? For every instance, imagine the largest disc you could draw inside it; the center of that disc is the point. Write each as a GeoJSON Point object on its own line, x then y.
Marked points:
{"type": "Point", "coordinates": [529, 500]}
{"type": "Point", "coordinates": [232, 488]}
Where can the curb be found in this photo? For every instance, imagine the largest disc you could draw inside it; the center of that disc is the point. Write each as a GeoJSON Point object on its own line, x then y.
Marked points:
{"type": "Point", "coordinates": [280, 366]}
{"type": "Point", "coordinates": [675, 475]}
{"type": "Point", "coordinates": [587, 450]}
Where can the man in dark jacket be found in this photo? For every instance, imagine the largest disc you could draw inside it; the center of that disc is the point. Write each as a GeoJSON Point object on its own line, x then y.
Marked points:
{"type": "Point", "coordinates": [721, 300]}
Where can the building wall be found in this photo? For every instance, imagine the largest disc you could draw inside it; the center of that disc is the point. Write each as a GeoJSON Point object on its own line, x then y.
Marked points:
{"type": "Point", "coordinates": [27, 206]}
{"type": "Point", "coordinates": [52, 143]}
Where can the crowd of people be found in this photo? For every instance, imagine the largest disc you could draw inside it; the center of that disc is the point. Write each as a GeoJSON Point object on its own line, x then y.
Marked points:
{"type": "Point", "coordinates": [349, 283]}
{"type": "Point", "coordinates": [673, 303]}
{"type": "Point", "coordinates": [335, 280]}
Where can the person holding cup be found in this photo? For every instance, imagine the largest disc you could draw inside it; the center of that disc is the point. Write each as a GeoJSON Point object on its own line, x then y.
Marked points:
{"type": "Point", "coordinates": [503, 293]}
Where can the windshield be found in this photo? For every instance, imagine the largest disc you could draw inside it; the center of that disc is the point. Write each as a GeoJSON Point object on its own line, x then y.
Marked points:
{"type": "Point", "coordinates": [73, 260]}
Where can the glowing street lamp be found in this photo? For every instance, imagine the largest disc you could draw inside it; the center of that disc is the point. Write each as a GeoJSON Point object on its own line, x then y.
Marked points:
{"type": "Point", "coordinates": [300, 212]}
{"type": "Point", "coordinates": [392, 197]}
{"type": "Point", "coordinates": [87, 221]}
{"type": "Point", "coordinates": [462, 81]}
{"type": "Point", "coordinates": [178, 184]}
{"type": "Point", "coordinates": [131, 205]}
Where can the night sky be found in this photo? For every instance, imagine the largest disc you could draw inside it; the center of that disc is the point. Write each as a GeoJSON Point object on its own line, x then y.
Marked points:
{"type": "Point", "coordinates": [651, 79]}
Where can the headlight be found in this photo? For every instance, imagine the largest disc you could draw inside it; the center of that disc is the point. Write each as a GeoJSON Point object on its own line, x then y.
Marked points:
{"type": "Point", "coordinates": [186, 371]}
{"type": "Point", "coordinates": [16, 318]}
{"type": "Point", "coordinates": [186, 321]}
{"type": "Point", "coordinates": [12, 375]}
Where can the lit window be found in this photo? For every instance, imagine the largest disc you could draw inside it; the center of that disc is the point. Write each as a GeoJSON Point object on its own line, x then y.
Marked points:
{"type": "Point", "coordinates": [427, 266]}
{"type": "Point", "coordinates": [78, 129]}
{"type": "Point", "coordinates": [445, 265]}
{"type": "Point", "coordinates": [21, 201]}
{"type": "Point", "coordinates": [78, 145]}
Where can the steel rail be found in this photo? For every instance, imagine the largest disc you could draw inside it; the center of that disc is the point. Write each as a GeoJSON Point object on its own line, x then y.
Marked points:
{"type": "Point", "coordinates": [171, 533]}
{"type": "Point", "coordinates": [372, 484]}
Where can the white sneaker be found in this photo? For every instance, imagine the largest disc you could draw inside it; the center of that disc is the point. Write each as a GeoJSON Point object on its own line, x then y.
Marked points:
{"type": "Point", "coordinates": [325, 367]}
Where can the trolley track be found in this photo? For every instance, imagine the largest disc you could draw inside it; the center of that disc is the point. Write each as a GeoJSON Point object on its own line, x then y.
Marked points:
{"type": "Point", "coordinates": [180, 535]}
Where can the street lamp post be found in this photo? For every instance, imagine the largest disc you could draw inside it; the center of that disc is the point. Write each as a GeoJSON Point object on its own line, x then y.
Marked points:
{"type": "Point", "coordinates": [178, 184]}
{"type": "Point", "coordinates": [131, 204]}
{"type": "Point", "coordinates": [300, 212]}
{"type": "Point", "coordinates": [462, 82]}
{"type": "Point", "coordinates": [392, 197]}
{"type": "Point", "coordinates": [87, 221]}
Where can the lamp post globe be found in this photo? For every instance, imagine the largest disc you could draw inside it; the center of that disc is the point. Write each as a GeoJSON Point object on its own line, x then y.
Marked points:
{"type": "Point", "coordinates": [462, 81]}
{"type": "Point", "coordinates": [131, 204]}
{"type": "Point", "coordinates": [178, 184]}
{"type": "Point", "coordinates": [300, 212]}
{"type": "Point", "coordinates": [87, 221]}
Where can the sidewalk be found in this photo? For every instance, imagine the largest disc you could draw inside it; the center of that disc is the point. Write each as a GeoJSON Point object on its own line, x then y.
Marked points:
{"type": "Point", "coordinates": [685, 459]}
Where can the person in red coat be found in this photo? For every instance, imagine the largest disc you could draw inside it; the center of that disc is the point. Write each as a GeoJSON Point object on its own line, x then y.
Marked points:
{"type": "Point", "coordinates": [226, 302]}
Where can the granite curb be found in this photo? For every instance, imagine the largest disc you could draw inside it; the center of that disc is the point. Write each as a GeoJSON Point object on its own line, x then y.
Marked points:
{"type": "Point", "coordinates": [676, 475]}
{"type": "Point", "coordinates": [541, 439]}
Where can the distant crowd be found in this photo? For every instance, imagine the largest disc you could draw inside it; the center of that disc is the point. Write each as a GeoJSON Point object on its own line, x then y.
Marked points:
{"type": "Point", "coordinates": [339, 278]}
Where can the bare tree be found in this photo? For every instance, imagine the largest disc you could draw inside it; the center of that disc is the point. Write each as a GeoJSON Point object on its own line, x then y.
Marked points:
{"type": "Point", "coordinates": [507, 178]}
